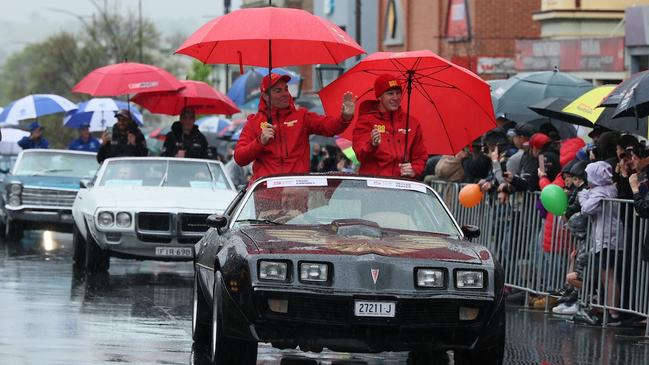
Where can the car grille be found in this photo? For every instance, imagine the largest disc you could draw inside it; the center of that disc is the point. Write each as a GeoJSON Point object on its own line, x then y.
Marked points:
{"type": "Point", "coordinates": [48, 197]}
{"type": "Point", "coordinates": [162, 227]}
{"type": "Point", "coordinates": [193, 223]}
{"type": "Point", "coordinates": [158, 222]}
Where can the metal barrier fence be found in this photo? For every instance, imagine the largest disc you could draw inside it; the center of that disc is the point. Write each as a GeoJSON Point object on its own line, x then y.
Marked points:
{"type": "Point", "coordinates": [615, 276]}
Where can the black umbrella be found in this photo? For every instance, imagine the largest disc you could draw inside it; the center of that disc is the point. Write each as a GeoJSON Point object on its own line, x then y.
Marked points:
{"type": "Point", "coordinates": [553, 109]}
{"type": "Point", "coordinates": [631, 97]}
{"type": "Point", "coordinates": [565, 130]}
{"type": "Point", "coordinates": [512, 96]}
{"type": "Point", "coordinates": [623, 124]}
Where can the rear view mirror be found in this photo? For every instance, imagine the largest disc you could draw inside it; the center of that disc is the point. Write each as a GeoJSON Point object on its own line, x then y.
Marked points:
{"type": "Point", "coordinates": [217, 221]}
{"type": "Point", "coordinates": [470, 231]}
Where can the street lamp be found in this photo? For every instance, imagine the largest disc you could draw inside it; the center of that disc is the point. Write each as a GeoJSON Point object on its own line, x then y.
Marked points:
{"type": "Point", "coordinates": [327, 73]}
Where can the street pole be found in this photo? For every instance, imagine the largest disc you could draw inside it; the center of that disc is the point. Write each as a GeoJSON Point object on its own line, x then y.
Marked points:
{"type": "Point", "coordinates": [140, 29]}
{"type": "Point", "coordinates": [358, 25]}
{"type": "Point", "coordinates": [226, 10]}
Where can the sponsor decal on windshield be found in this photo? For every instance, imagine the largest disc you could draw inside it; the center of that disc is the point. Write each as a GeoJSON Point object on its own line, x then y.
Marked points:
{"type": "Point", "coordinates": [308, 181]}
{"type": "Point", "coordinates": [399, 185]}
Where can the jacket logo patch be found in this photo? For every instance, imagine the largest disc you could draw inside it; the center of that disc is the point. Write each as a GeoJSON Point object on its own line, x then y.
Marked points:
{"type": "Point", "coordinates": [264, 124]}
{"type": "Point", "coordinates": [375, 275]}
{"type": "Point", "coordinates": [290, 123]}
{"type": "Point", "coordinates": [380, 127]}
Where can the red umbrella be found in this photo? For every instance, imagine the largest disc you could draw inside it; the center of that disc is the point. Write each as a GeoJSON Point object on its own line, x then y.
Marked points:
{"type": "Point", "coordinates": [198, 95]}
{"type": "Point", "coordinates": [126, 78]}
{"type": "Point", "coordinates": [452, 104]}
{"type": "Point", "coordinates": [270, 37]}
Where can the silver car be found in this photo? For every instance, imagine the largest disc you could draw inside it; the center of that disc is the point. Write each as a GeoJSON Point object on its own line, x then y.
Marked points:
{"type": "Point", "coordinates": [146, 208]}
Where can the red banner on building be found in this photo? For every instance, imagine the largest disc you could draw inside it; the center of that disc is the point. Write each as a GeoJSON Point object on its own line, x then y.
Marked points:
{"type": "Point", "coordinates": [604, 54]}
{"type": "Point", "coordinates": [457, 20]}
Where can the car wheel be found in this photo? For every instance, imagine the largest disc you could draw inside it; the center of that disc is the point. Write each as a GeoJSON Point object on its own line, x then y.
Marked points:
{"type": "Point", "coordinates": [427, 357]}
{"type": "Point", "coordinates": [201, 316]}
{"type": "Point", "coordinates": [79, 249]}
{"type": "Point", "coordinates": [226, 351]}
{"type": "Point", "coordinates": [97, 260]}
{"type": "Point", "coordinates": [490, 353]}
{"type": "Point", "coordinates": [13, 231]}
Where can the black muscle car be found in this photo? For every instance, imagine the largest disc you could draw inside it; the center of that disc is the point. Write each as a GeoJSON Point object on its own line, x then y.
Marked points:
{"type": "Point", "coordinates": [348, 263]}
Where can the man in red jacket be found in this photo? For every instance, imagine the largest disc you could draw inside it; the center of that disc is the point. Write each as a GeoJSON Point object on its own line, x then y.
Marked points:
{"type": "Point", "coordinates": [379, 136]}
{"type": "Point", "coordinates": [283, 146]}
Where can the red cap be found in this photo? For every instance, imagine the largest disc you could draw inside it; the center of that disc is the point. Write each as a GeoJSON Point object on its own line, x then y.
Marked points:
{"type": "Point", "coordinates": [384, 83]}
{"type": "Point", "coordinates": [267, 81]}
{"type": "Point", "coordinates": [538, 140]}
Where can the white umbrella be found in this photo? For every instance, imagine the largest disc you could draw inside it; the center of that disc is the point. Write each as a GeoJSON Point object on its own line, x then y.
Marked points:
{"type": "Point", "coordinates": [99, 113]}
{"type": "Point", "coordinates": [34, 106]}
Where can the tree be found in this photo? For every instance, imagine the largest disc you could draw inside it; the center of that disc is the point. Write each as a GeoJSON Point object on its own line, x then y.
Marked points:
{"type": "Point", "coordinates": [200, 72]}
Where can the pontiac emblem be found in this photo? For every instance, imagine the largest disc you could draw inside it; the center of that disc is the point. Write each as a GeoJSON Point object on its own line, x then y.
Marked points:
{"type": "Point", "coordinates": [375, 275]}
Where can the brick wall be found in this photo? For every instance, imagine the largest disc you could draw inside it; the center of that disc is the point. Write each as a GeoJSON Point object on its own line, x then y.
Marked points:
{"type": "Point", "coordinates": [495, 25]}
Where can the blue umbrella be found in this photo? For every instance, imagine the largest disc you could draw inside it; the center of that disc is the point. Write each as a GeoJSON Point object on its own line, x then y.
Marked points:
{"type": "Point", "coordinates": [246, 86]}
{"type": "Point", "coordinates": [34, 106]}
{"type": "Point", "coordinates": [99, 113]}
{"type": "Point", "coordinates": [212, 124]}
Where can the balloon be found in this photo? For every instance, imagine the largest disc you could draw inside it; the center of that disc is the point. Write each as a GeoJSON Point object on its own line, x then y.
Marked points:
{"type": "Point", "coordinates": [554, 199]}
{"type": "Point", "coordinates": [470, 195]}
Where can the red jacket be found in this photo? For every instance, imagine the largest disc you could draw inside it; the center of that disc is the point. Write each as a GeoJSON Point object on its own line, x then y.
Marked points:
{"type": "Point", "coordinates": [384, 159]}
{"type": "Point", "coordinates": [289, 151]}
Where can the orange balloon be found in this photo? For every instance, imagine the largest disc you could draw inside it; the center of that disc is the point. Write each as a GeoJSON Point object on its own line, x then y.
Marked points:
{"type": "Point", "coordinates": [470, 195]}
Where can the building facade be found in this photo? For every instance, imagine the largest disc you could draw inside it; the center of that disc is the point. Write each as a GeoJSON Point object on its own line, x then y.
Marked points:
{"type": "Point", "coordinates": [479, 35]}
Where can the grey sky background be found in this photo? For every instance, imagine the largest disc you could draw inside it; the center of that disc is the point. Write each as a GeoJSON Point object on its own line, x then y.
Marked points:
{"type": "Point", "coordinates": [27, 21]}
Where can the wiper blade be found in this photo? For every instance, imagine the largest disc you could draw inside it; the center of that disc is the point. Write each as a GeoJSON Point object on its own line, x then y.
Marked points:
{"type": "Point", "coordinates": [48, 171]}
{"type": "Point", "coordinates": [260, 221]}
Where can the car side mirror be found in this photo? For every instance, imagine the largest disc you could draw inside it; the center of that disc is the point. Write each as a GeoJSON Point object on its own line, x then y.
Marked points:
{"type": "Point", "coordinates": [217, 221]}
{"type": "Point", "coordinates": [470, 231]}
{"type": "Point", "coordinates": [85, 183]}
{"type": "Point", "coordinates": [4, 171]}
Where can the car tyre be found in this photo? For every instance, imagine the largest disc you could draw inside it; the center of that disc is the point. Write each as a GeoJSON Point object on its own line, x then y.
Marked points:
{"type": "Point", "coordinates": [225, 350]}
{"type": "Point", "coordinates": [13, 231]}
{"type": "Point", "coordinates": [78, 249]}
{"type": "Point", "coordinates": [201, 315]}
{"type": "Point", "coordinates": [491, 353]}
{"type": "Point", "coordinates": [97, 259]}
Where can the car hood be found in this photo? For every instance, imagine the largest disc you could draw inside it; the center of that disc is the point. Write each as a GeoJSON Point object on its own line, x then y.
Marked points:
{"type": "Point", "coordinates": [163, 198]}
{"type": "Point", "coordinates": [322, 240]}
{"type": "Point", "coordinates": [46, 182]}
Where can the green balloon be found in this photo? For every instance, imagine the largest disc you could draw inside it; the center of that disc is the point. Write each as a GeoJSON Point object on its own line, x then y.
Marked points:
{"type": "Point", "coordinates": [554, 199]}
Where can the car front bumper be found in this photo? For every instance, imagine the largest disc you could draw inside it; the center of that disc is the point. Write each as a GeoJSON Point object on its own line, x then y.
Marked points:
{"type": "Point", "coordinates": [315, 321]}
{"type": "Point", "coordinates": [45, 218]}
{"type": "Point", "coordinates": [133, 246]}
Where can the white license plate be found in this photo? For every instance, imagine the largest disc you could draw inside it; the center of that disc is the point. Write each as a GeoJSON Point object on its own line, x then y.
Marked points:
{"type": "Point", "coordinates": [363, 308]}
{"type": "Point", "coordinates": [173, 251]}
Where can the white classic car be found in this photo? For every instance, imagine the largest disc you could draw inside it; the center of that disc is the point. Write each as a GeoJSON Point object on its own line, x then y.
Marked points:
{"type": "Point", "coordinates": [146, 208]}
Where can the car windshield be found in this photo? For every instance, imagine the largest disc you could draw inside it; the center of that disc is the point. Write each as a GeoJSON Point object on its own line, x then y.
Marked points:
{"type": "Point", "coordinates": [391, 204]}
{"type": "Point", "coordinates": [48, 163]}
{"type": "Point", "coordinates": [160, 172]}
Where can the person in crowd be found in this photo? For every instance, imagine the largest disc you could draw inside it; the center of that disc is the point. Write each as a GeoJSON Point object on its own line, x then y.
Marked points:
{"type": "Point", "coordinates": [85, 142]}
{"type": "Point", "coordinates": [125, 139]}
{"type": "Point", "coordinates": [281, 145]}
{"type": "Point", "coordinates": [604, 226]}
{"type": "Point", "coordinates": [330, 157]}
{"type": "Point", "coordinates": [542, 152]}
{"type": "Point", "coordinates": [640, 189]}
{"type": "Point", "coordinates": [520, 136]}
{"type": "Point", "coordinates": [35, 138]}
{"type": "Point", "coordinates": [316, 157]}
{"type": "Point", "coordinates": [379, 138]}
{"type": "Point", "coordinates": [184, 139]}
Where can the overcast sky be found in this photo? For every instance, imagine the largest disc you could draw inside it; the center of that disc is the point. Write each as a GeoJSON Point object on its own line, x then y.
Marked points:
{"type": "Point", "coordinates": [27, 21]}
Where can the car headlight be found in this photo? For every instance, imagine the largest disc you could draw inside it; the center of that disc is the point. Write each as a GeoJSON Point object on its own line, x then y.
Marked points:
{"type": "Point", "coordinates": [430, 278]}
{"type": "Point", "coordinates": [123, 219]}
{"type": "Point", "coordinates": [465, 279]}
{"type": "Point", "coordinates": [14, 200]}
{"type": "Point", "coordinates": [273, 270]}
{"type": "Point", "coordinates": [15, 188]}
{"type": "Point", "coordinates": [105, 219]}
{"type": "Point", "coordinates": [312, 271]}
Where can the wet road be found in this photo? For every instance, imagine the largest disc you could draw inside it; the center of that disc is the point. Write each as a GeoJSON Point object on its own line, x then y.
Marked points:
{"type": "Point", "coordinates": [141, 314]}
